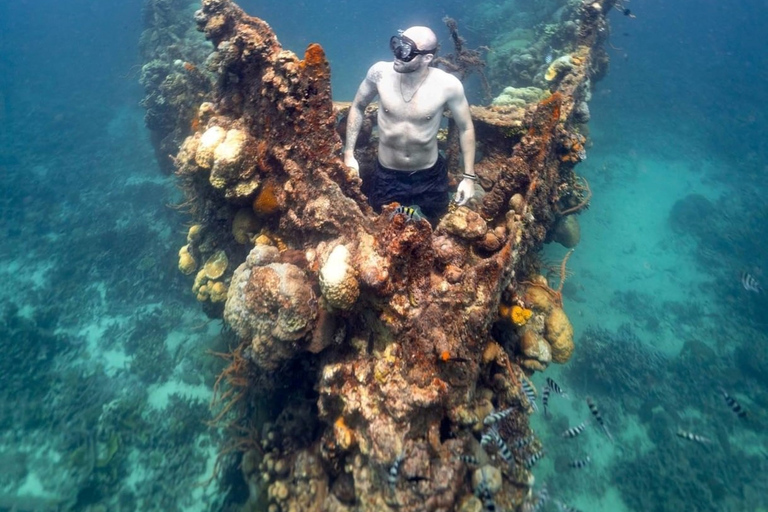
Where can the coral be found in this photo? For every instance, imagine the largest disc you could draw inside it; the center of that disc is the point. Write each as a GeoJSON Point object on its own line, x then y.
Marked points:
{"type": "Point", "coordinates": [559, 334]}
{"type": "Point", "coordinates": [187, 263]}
{"type": "Point", "coordinates": [207, 144]}
{"type": "Point", "coordinates": [567, 232]}
{"type": "Point", "coordinates": [216, 265]}
{"type": "Point", "coordinates": [244, 225]}
{"type": "Point", "coordinates": [338, 280]}
{"type": "Point", "coordinates": [463, 223]}
{"type": "Point", "coordinates": [520, 315]}
{"type": "Point", "coordinates": [266, 201]}
{"type": "Point", "coordinates": [272, 305]}
{"type": "Point", "coordinates": [558, 67]}
{"type": "Point", "coordinates": [519, 96]}
{"type": "Point", "coordinates": [536, 349]}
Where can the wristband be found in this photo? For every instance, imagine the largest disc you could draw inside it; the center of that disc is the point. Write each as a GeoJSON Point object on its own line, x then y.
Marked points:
{"type": "Point", "coordinates": [472, 177]}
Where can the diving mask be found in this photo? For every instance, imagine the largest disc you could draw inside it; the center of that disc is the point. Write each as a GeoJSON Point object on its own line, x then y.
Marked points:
{"type": "Point", "coordinates": [405, 49]}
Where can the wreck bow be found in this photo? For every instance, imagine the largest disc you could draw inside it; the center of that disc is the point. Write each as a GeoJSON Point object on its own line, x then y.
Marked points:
{"type": "Point", "coordinates": [386, 323]}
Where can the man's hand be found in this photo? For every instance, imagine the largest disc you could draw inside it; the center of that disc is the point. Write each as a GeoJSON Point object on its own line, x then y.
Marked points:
{"type": "Point", "coordinates": [465, 191]}
{"type": "Point", "coordinates": [351, 162]}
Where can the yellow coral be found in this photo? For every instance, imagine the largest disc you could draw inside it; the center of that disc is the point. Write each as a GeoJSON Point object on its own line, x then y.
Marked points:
{"type": "Point", "coordinates": [216, 265]}
{"type": "Point", "coordinates": [194, 233]}
{"type": "Point", "coordinates": [217, 292]}
{"type": "Point", "coordinates": [515, 314]}
{"type": "Point", "coordinates": [187, 263]}
{"type": "Point", "coordinates": [520, 315]}
{"type": "Point", "coordinates": [559, 334]}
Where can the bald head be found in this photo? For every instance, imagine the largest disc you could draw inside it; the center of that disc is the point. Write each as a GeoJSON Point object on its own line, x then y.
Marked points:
{"type": "Point", "coordinates": [424, 38]}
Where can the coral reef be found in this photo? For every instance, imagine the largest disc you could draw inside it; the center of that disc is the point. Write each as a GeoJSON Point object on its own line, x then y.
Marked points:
{"type": "Point", "coordinates": [387, 326]}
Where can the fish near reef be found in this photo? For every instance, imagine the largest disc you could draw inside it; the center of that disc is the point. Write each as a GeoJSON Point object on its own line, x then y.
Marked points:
{"type": "Point", "coordinates": [574, 431]}
{"type": "Point", "coordinates": [412, 213]}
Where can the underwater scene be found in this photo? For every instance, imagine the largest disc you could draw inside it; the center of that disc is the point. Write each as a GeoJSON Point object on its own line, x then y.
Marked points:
{"type": "Point", "coordinates": [212, 300]}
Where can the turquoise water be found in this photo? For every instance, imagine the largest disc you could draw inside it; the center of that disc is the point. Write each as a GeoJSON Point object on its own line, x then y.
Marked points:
{"type": "Point", "coordinates": [106, 375]}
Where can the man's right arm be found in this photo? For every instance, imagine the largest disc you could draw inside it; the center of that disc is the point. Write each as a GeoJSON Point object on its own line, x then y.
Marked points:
{"type": "Point", "coordinates": [365, 94]}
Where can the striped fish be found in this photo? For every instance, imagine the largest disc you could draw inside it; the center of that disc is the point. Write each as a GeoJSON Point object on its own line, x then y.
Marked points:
{"type": "Point", "coordinates": [733, 404]}
{"type": "Point", "coordinates": [523, 442]}
{"type": "Point", "coordinates": [497, 416]}
{"type": "Point", "coordinates": [555, 387]}
{"type": "Point", "coordinates": [533, 459]}
{"type": "Point", "coordinates": [530, 394]}
{"type": "Point", "coordinates": [749, 283]}
{"type": "Point", "coordinates": [580, 463]}
{"type": "Point", "coordinates": [574, 431]}
{"type": "Point", "coordinates": [545, 400]}
{"type": "Point", "coordinates": [505, 452]}
{"type": "Point", "coordinates": [469, 460]}
{"type": "Point", "coordinates": [394, 471]}
{"type": "Point", "coordinates": [410, 212]}
{"type": "Point", "coordinates": [596, 413]}
{"type": "Point", "coordinates": [696, 438]}
{"type": "Point", "coordinates": [489, 438]}
{"type": "Point", "coordinates": [484, 493]}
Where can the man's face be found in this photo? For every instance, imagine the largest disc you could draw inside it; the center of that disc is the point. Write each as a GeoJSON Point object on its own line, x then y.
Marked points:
{"type": "Point", "coordinates": [408, 67]}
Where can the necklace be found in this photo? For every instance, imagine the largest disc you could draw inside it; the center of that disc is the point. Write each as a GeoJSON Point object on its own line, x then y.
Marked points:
{"type": "Point", "coordinates": [414, 92]}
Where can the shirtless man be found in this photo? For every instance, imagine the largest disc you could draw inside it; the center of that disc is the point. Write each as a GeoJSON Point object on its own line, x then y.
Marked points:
{"type": "Point", "coordinates": [412, 96]}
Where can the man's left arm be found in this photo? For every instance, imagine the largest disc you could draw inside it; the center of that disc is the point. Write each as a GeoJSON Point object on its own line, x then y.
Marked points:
{"type": "Point", "coordinates": [459, 106]}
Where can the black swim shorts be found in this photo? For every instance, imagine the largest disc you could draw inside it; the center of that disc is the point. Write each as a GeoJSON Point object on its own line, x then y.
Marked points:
{"type": "Point", "coordinates": [428, 188]}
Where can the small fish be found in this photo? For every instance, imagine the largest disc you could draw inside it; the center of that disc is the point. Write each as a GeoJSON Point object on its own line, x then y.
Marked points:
{"type": "Point", "coordinates": [446, 357]}
{"type": "Point", "coordinates": [693, 437]}
{"type": "Point", "coordinates": [469, 460]}
{"type": "Point", "coordinates": [412, 213]}
{"type": "Point", "coordinates": [484, 493]}
{"type": "Point", "coordinates": [545, 400]}
{"type": "Point", "coordinates": [505, 452]}
{"type": "Point", "coordinates": [489, 438]}
{"type": "Point", "coordinates": [523, 442]}
{"type": "Point", "coordinates": [596, 413]}
{"type": "Point", "coordinates": [549, 56]}
{"type": "Point", "coordinates": [394, 471]}
{"type": "Point", "coordinates": [749, 283]}
{"type": "Point", "coordinates": [534, 501]}
{"type": "Point", "coordinates": [530, 394]}
{"type": "Point", "coordinates": [734, 404]}
{"type": "Point", "coordinates": [580, 463]}
{"type": "Point", "coordinates": [497, 416]}
{"type": "Point", "coordinates": [574, 431]}
{"type": "Point", "coordinates": [533, 459]}
{"type": "Point", "coordinates": [555, 387]}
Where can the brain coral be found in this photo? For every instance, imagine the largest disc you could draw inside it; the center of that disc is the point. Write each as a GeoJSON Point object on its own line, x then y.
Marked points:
{"type": "Point", "coordinates": [272, 305]}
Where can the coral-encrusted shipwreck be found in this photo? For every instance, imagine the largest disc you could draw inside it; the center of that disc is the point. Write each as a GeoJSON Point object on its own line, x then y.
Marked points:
{"type": "Point", "coordinates": [395, 326]}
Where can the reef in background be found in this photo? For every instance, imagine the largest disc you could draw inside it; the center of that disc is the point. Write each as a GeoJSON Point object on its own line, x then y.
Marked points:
{"type": "Point", "coordinates": [373, 349]}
